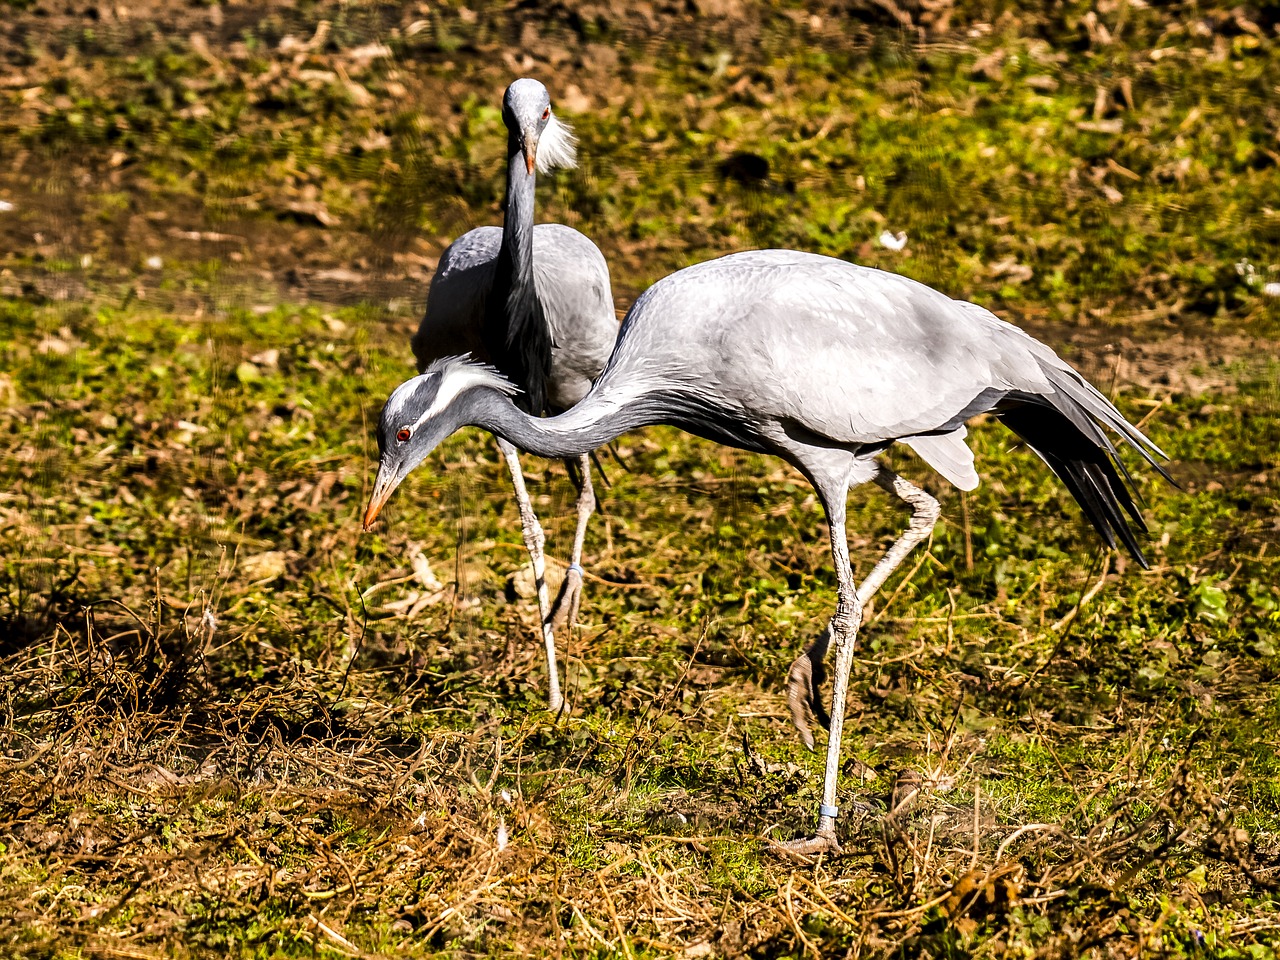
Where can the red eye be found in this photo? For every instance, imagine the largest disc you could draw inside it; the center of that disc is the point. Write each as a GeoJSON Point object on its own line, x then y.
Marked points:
{"type": "Point", "coordinates": [403, 434]}
{"type": "Point", "coordinates": [546, 114]}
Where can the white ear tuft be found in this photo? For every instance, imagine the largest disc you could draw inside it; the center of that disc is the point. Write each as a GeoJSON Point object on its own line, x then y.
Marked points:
{"type": "Point", "coordinates": [557, 147]}
{"type": "Point", "coordinates": [458, 374]}
{"type": "Point", "coordinates": [474, 371]}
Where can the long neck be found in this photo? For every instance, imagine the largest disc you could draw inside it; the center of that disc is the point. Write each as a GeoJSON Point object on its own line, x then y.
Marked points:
{"type": "Point", "coordinates": [583, 428]}
{"type": "Point", "coordinates": [515, 261]}
{"type": "Point", "coordinates": [514, 331]}
{"type": "Point", "coordinates": [598, 418]}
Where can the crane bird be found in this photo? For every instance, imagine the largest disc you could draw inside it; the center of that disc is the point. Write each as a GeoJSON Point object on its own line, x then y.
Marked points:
{"type": "Point", "coordinates": [535, 302]}
{"type": "Point", "coordinates": [824, 364]}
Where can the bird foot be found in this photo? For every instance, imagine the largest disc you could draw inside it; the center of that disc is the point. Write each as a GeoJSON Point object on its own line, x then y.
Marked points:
{"type": "Point", "coordinates": [824, 841]}
{"type": "Point", "coordinates": [804, 696]}
{"type": "Point", "coordinates": [555, 701]}
{"type": "Point", "coordinates": [565, 609]}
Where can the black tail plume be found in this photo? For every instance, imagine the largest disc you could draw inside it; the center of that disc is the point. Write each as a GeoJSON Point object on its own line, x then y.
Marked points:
{"type": "Point", "coordinates": [604, 477]}
{"type": "Point", "coordinates": [1081, 462]}
{"type": "Point", "coordinates": [574, 469]}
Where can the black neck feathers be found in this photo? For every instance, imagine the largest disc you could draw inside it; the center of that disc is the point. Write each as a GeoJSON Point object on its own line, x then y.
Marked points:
{"type": "Point", "coordinates": [515, 330]}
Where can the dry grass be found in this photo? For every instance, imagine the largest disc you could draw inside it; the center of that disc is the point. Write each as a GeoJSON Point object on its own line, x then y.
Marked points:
{"type": "Point", "coordinates": [149, 802]}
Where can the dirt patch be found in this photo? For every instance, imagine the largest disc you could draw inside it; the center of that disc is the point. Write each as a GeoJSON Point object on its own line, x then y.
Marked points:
{"type": "Point", "coordinates": [1166, 364]}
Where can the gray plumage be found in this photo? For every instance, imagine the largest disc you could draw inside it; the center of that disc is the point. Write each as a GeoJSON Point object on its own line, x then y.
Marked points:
{"type": "Point", "coordinates": [534, 301]}
{"type": "Point", "coordinates": [852, 355]}
{"type": "Point", "coordinates": [824, 364]}
{"type": "Point", "coordinates": [571, 279]}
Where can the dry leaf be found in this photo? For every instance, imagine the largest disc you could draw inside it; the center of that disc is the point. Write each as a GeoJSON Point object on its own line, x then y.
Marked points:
{"type": "Point", "coordinates": [263, 567]}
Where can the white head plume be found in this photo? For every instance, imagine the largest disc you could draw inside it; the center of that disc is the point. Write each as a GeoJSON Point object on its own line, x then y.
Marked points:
{"type": "Point", "coordinates": [439, 385]}
{"type": "Point", "coordinates": [557, 147]}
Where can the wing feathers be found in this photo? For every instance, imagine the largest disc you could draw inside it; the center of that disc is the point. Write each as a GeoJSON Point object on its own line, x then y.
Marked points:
{"type": "Point", "coordinates": [949, 455]}
{"type": "Point", "coordinates": [1086, 467]}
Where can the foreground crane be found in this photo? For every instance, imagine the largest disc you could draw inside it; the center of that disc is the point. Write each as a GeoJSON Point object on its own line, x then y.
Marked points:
{"type": "Point", "coordinates": [825, 364]}
{"type": "Point", "coordinates": [535, 302]}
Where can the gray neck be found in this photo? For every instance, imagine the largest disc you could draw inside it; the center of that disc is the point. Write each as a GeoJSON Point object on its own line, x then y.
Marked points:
{"type": "Point", "coordinates": [580, 430]}
{"type": "Point", "coordinates": [593, 422]}
{"type": "Point", "coordinates": [514, 330]}
{"type": "Point", "coordinates": [517, 226]}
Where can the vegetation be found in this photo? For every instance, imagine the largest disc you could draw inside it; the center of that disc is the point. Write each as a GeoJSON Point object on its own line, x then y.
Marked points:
{"type": "Point", "coordinates": [233, 724]}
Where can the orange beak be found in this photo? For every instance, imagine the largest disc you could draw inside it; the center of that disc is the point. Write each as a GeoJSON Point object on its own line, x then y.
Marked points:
{"type": "Point", "coordinates": [383, 487]}
{"type": "Point", "coordinates": [530, 154]}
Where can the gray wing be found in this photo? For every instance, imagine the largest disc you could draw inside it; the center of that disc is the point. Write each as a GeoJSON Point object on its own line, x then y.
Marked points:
{"type": "Point", "coordinates": [450, 326]}
{"type": "Point", "coordinates": [572, 280]}
{"type": "Point", "coordinates": [846, 354]}
{"type": "Point", "coordinates": [893, 357]}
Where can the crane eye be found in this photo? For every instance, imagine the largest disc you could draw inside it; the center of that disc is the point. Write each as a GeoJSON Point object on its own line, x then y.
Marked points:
{"type": "Point", "coordinates": [546, 114]}
{"type": "Point", "coordinates": [403, 434]}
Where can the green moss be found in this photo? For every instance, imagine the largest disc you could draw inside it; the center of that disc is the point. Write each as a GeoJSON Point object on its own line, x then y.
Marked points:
{"type": "Point", "coordinates": [160, 455]}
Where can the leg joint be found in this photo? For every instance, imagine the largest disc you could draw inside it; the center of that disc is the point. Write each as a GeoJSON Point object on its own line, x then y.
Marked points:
{"type": "Point", "coordinates": [927, 509]}
{"type": "Point", "coordinates": [848, 616]}
{"type": "Point", "coordinates": [533, 535]}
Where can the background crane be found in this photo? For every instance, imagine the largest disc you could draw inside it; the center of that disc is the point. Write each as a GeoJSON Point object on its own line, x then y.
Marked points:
{"type": "Point", "coordinates": [535, 302]}
{"type": "Point", "coordinates": [824, 364]}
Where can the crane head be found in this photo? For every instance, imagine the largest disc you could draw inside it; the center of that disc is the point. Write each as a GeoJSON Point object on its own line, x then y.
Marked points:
{"type": "Point", "coordinates": [546, 142]}
{"type": "Point", "coordinates": [421, 413]}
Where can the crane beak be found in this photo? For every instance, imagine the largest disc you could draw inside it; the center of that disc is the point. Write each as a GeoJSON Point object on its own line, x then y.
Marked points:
{"type": "Point", "coordinates": [383, 487]}
{"type": "Point", "coordinates": [530, 154]}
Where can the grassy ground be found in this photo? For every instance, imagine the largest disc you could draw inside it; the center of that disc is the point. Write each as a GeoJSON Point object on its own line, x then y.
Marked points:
{"type": "Point", "coordinates": [232, 724]}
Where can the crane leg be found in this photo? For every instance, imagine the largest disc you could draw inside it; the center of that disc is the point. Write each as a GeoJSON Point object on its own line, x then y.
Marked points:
{"type": "Point", "coordinates": [844, 631]}
{"type": "Point", "coordinates": [534, 541]}
{"type": "Point", "coordinates": [807, 673]}
{"type": "Point", "coordinates": [565, 610]}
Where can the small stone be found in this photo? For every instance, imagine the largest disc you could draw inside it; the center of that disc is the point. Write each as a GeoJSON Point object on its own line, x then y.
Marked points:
{"type": "Point", "coordinates": [523, 583]}
{"type": "Point", "coordinates": [53, 345]}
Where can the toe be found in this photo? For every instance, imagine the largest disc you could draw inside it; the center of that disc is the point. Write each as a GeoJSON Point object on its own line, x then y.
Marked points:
{"type": "Point", "coordinates": [807, 847]}
{"type": "Point", "coordinates": [800, 697]}
{"type": "Point", "coordinates": [565, 609]}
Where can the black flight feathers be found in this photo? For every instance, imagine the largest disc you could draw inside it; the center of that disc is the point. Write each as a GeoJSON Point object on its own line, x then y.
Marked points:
{"type": "Point", "coordinates": [1076, 450]}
